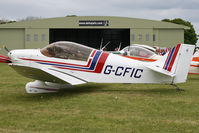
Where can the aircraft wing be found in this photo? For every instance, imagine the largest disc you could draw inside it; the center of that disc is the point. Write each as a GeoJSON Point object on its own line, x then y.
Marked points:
{"type": "Point", "coordinates": [71, 79]}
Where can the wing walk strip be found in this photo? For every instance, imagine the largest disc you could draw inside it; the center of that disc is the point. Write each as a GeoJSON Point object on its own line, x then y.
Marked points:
{"type": "Point", "coordinates": [69, 75]}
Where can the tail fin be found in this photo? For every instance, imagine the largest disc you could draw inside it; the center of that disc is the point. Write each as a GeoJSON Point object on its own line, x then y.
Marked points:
{"type": "Point", "coordinates": [175, 63]}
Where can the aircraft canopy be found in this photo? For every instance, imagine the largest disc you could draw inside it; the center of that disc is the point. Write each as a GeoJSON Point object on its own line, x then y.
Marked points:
{"type": "Point", "coordinates": [67, 50]}
{"type": "Point", "coordinates": [138, 51]}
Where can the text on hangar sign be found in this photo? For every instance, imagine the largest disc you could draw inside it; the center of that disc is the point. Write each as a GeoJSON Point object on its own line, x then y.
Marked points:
{"type": "Point", "coordinates": [93, 23]}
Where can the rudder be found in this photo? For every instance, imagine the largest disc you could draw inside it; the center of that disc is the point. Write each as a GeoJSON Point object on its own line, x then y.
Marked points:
{"type": "Point", "coordinates": [182, 62]}
{"type": "Point", "coordinates": [175, 63]}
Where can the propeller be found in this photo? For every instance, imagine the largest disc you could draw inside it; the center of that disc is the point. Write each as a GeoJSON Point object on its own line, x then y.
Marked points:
{"type": "Point", "coordinates": [6, 48]}
{"type": "Point", "coordinates": [5, 59]}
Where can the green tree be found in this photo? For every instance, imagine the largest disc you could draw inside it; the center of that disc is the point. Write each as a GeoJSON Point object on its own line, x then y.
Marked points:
{"type": "Point", "coordinates": [190, 36]}
{"type": "Point", "coordinates": [6, 21]}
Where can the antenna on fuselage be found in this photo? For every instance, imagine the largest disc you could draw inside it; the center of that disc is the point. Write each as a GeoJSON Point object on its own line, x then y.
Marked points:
{"type": "Point", "coordinates": [119, 46]}
{"type": "Point", "coordinates": [101, 44]}
{"type": "Point", "coordinates": [105, 46]}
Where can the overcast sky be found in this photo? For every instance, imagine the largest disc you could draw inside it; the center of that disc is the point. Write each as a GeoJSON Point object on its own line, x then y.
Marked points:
{"type": "Point", "coordinates": [147, 9]}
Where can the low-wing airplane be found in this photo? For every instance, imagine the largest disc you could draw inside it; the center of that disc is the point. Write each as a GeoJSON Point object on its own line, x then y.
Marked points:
{"type": "Point", "coordinates": [148, 53]}
{"type": "Point", "coordinates": [194, 67]}
{"type": "Point", "coordinates": [67, 63]}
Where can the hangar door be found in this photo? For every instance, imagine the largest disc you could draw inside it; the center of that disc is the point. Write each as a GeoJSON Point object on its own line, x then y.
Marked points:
{"type": "Point", "coordinates": [93, 37]}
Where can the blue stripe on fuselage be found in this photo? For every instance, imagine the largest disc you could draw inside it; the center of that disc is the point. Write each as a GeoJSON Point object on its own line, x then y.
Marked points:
{"type": "Point", "coordinates": [95, 59]}
{"type": "Point", "coordinates": [92, 66]}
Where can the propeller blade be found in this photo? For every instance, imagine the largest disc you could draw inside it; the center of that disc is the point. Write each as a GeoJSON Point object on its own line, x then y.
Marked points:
{"type": "Point", "coordinates": [105, 46]}
{"type": "Point", "coordinates": [101, 44]}
{"type": "Point", "coordinates": [6, 48]}
{"type": "Point", "coordinates": [4, 59]}
{"type": "Point", "coordinates": [119, 46]}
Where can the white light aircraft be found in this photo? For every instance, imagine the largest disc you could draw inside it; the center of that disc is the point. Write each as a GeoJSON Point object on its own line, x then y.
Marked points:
{"type": "Point", "coordinates": [67, 63]}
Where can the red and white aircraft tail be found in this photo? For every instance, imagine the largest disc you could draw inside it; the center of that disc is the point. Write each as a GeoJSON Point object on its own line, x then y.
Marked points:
{"type": "Point", "coordinates": [175, 63]}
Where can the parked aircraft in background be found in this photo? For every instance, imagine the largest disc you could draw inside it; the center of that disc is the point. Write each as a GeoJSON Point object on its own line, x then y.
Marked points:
{"type": "Point", "coordinates": [194, 68]}
{"type": "Point", "coordinates": [67, 63]}
{"type": "Point", "coordinates": [148, 53]}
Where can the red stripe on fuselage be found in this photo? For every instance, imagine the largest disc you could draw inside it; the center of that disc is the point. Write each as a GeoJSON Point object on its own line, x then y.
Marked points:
{"type": "Point", "coordinates": [139, 58]}
{"type": "Point", "coordinates": [88, 64]}
{"type": "Point", "coordinates": [196, 59]}
{"type": "Point", "coordinates": [194, 73]}
{"type": "Point", "coordinates": [93, 53]}
{"type": "Point", "coordinates": [98, 68]}
{"type": "Point", "coordinates": [194, 65]}
{"type": "Point", "coordinates": [101, 62]}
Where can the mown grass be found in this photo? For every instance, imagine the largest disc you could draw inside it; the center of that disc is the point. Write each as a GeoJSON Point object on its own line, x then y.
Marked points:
{"type": "Point", "coordinates": [98, 108]}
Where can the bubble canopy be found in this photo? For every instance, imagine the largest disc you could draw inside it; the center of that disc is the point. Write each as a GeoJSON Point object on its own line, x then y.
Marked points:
{"type": "Point", "coordinates": [138, 51]}
{"type": "Point", "coordinates": [67, 50]}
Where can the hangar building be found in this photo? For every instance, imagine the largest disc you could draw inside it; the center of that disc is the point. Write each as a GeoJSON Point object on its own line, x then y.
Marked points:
{"type": "Point", "coordinates": [90, 31]}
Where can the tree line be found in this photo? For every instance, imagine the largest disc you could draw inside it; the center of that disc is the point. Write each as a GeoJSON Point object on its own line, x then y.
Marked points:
{"type": "Point", "coordinates": [6, 21]}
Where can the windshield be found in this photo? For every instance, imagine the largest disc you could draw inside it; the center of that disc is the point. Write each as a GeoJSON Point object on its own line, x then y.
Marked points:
{"type": "Point", "coordinates": [67, 50]}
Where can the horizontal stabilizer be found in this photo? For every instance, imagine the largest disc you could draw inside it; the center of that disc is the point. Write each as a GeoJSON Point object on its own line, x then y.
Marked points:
{"type": "Point", "coordinates": [160, 70]}
{"type": "Point", "coordinates": [71, 79]}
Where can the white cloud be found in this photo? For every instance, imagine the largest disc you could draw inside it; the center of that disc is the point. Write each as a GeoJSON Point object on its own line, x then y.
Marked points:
{"type": "Point", "coordinates": [153, 9]}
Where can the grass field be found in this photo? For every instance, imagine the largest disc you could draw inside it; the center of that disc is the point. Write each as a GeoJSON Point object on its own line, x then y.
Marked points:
{"type": "Point", "coordinates": [98, 108]}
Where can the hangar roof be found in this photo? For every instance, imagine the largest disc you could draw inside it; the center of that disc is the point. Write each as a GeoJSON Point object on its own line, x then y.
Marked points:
{"type": "Point", "coordinates": [73, 22]}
